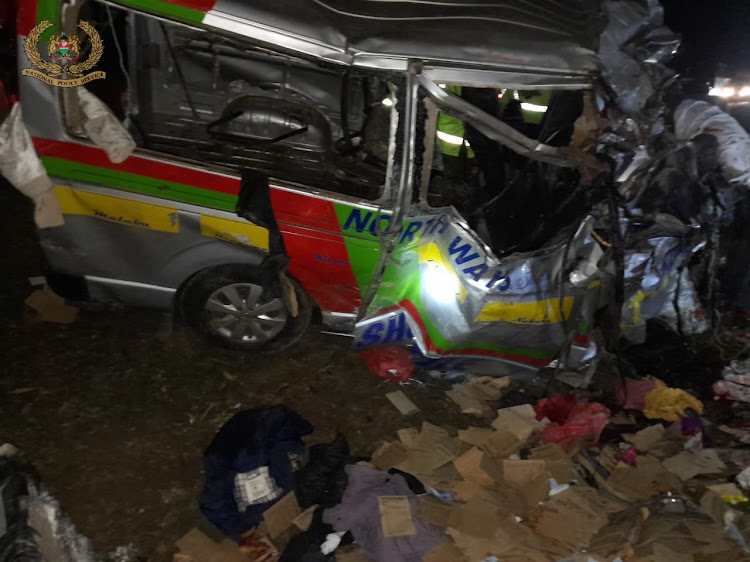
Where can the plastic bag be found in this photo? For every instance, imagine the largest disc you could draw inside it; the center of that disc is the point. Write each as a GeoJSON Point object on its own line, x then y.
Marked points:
{"type": "Point", "coordinates": [103, 128]}
{"type": "Point", "coordinates": [573, 420]}
{"type": "Point", "coordinates": [21, 166]}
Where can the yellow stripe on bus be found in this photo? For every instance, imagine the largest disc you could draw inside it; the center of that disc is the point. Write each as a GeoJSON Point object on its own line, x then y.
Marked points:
{"type": "Point", "coordinates": [245, 233]}
{"type": "Point", "coordinates": [535, 312]}
{"type": "Point", "coordinates": [123, 211]}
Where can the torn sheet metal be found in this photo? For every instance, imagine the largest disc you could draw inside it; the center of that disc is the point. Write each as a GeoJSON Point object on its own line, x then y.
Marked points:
{"type": "Point", "coordinates": [554, 41]}
{"type": "Point", "coordinates": [448, 290]}
{"type": "Point", "coordinates": [103, 128]}
{"type": "Point", "coordinates": [654, 272]}
{"type": "Point", "coordinates": [21, 166]}
{"type": "Point", "coordinates": [631, 50]}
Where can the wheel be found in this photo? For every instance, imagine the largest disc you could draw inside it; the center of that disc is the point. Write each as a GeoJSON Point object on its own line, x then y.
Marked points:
{"type": "Point", "coordinates": [240, 307]}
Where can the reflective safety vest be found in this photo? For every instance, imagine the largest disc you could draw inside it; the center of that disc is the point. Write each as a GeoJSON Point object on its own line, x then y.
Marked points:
{"type": "Point", "coordinates": [534, 108]}
{"type": "Point", "coordinates": [450, 131]}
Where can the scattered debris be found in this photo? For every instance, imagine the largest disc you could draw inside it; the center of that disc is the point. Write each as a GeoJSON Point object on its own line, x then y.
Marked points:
{"type": "Point", "coordinates": [670, 404]}
{"type": "Point", "coordinates": [477, 395]}
{"type": "Point", "coordinates": [32, 525]}
{"type": "Point", "coordinates": [197, 547]}
{"type": "Point", "coordinates": [390, 363]}
{"type": "Point", "coordinates": [402, 403]}
{"type": "Point", "coordinates": [250, 465]}
{"type": "Point", "coordinates": [522, 489]}
{"type": "Point", "coordinates": [735, 383]}
{"type": "Point", "coordinates": [573, 420]}
{"type": "Point", "coordinates": [50, 307]}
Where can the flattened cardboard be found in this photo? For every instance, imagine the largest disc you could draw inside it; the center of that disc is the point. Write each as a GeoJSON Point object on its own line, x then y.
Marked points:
{"type": "Point", "coordinates": [446, 551]}
{"type": "Point", "coordinates": [466, 491]}
{"type": "Point", "coordinates": [419, 461]}
{"type": "Point", "coordinates": [409, 436]}
{"type": "Point", "coordinates": [501, 444]}
{"type": "Point", "coordinates": [395, 516]}
{"type": "Point", "coordinates": [687, 464]}
{"type": "Point", "coordinates": [475, 549]}
{"type": "Point", "coordinates": [469, 466]}
{"type": "Point", "coordinates": [389, 455]}
{"type": "Point", "coordinates": [483, 389]}
{"type": "Point", "coordinates": [646, 438]}
{"type": "Point", "coordinates": [446, 473]}
{"type": "Point", "coordinates": [713, 506]}
{"type": "Point", "coordinates": [254, 546]}
{"type": "Point", "coordinates": [642, 482]}
{"type": "Point", "coordinates": [525, 411]}
{"type": "Point", "coordinates": [281, 515]}
{"type": "Point", "coordinates": [476, 518]}
{"type": "Point", "coordinates": [434, 511]}
{"type": "Point", "coordinates": [432, 434]}
{"type": "Point", "coordinates": [197, 545]}
{"type": "Point", "coordinates": [475, 436]}
{"type": "Point", "coordinates": [200, 548]}
{"type": "Point", "coordinates": [521, 473]}
{"type": "Point", "coordinates": [51, 307]}
{"type": "Point", "coordinates": [510, 421]}
{"type": "Point", "coordinates": [549, 452]}
{"type": "Point", "coordinates": [468, 404]}
{"type": "Point", "coordinates": [402, 403]}
{"type": "Point", "coordinates": [304, 519]}
{"type": "Point", "coordinates": [570, 517]}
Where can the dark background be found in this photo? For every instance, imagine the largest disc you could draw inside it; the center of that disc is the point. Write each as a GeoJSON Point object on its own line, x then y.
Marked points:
{"type": "Point", "coordinates": [713, 32]}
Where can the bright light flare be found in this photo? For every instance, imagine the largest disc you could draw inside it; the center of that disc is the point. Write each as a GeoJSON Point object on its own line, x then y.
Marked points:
{"type": "Point", "coordinates": [726, 92]}
{"type": "Point", "coordinates": [442, 285]}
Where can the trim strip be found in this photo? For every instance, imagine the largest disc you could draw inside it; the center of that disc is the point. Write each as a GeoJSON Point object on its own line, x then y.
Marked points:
{"type": "Point", "coordinates": [135, 284]}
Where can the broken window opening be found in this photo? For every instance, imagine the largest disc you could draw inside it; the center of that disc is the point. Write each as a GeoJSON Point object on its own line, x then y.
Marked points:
{"type": "Point", "coordinates": [514, 203]}
{"type": "Point", "coordinates": [218, 101]}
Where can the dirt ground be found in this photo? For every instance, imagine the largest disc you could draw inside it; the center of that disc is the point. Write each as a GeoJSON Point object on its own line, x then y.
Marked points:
{"type": "Point", "coordinates": [115, 410]}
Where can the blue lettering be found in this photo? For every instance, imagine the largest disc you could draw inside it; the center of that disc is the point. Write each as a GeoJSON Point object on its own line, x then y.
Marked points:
{"type": "Point", "coordinates": [372, 334]}
{"type": "Point", "coordinates": [410, 231]}
{"type": "Point", "coordinates": [376, 224]}
{"type": "Point", "coordinates": [356, 217]}
{"type": "Point", "coordinates": [396, 329]}
{"type": "Point", "coordinates": [476, 271]}
{"type": "Point", "coordinates": [442, 223]}
{"type": "Point", "coordinates": [461, 251]}
{"type": "Point", "coordinates": [503, 281]}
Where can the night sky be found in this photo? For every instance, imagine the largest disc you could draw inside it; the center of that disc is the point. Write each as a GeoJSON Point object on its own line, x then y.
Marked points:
{"type": "Point", "coordinates": [714, 31]}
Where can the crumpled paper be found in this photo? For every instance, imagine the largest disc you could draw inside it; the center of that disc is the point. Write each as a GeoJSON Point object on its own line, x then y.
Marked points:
{"type": "Point", "coordinates": [21, 166]}
{"type": "Point", "coordinates": [103, 128]}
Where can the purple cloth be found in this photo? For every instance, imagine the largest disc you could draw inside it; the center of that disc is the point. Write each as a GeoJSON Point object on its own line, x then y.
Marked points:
{"type": "Point", "coordinates": [359, 513]}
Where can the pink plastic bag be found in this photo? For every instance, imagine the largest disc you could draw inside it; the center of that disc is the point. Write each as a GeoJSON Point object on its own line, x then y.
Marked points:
{"type": "Point", "coordinates": [390, 363]}
{"type": "Point", "coordinates": [572, 420]}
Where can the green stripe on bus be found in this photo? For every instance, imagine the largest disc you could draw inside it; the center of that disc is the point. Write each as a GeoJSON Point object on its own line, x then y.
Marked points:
{"type": "Point", "coordinates": [60, 168]}
{"type": "Point", "coordinates": [168, 9]}
{"type": "Point", "coordinates": [48, 10]}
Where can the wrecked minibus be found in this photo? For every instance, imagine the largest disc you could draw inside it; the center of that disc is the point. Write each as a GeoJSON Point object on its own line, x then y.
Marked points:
{"type": "Point", "coordinates": [247, 163]}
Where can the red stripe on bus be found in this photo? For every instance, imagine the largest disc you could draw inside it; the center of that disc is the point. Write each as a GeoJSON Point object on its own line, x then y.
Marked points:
{"type": "Point", "coordinates": [92, 156]}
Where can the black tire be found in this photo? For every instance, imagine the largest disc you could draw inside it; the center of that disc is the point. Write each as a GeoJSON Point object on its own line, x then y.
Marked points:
{"type": "Point", "coordinates": [193, 297]}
